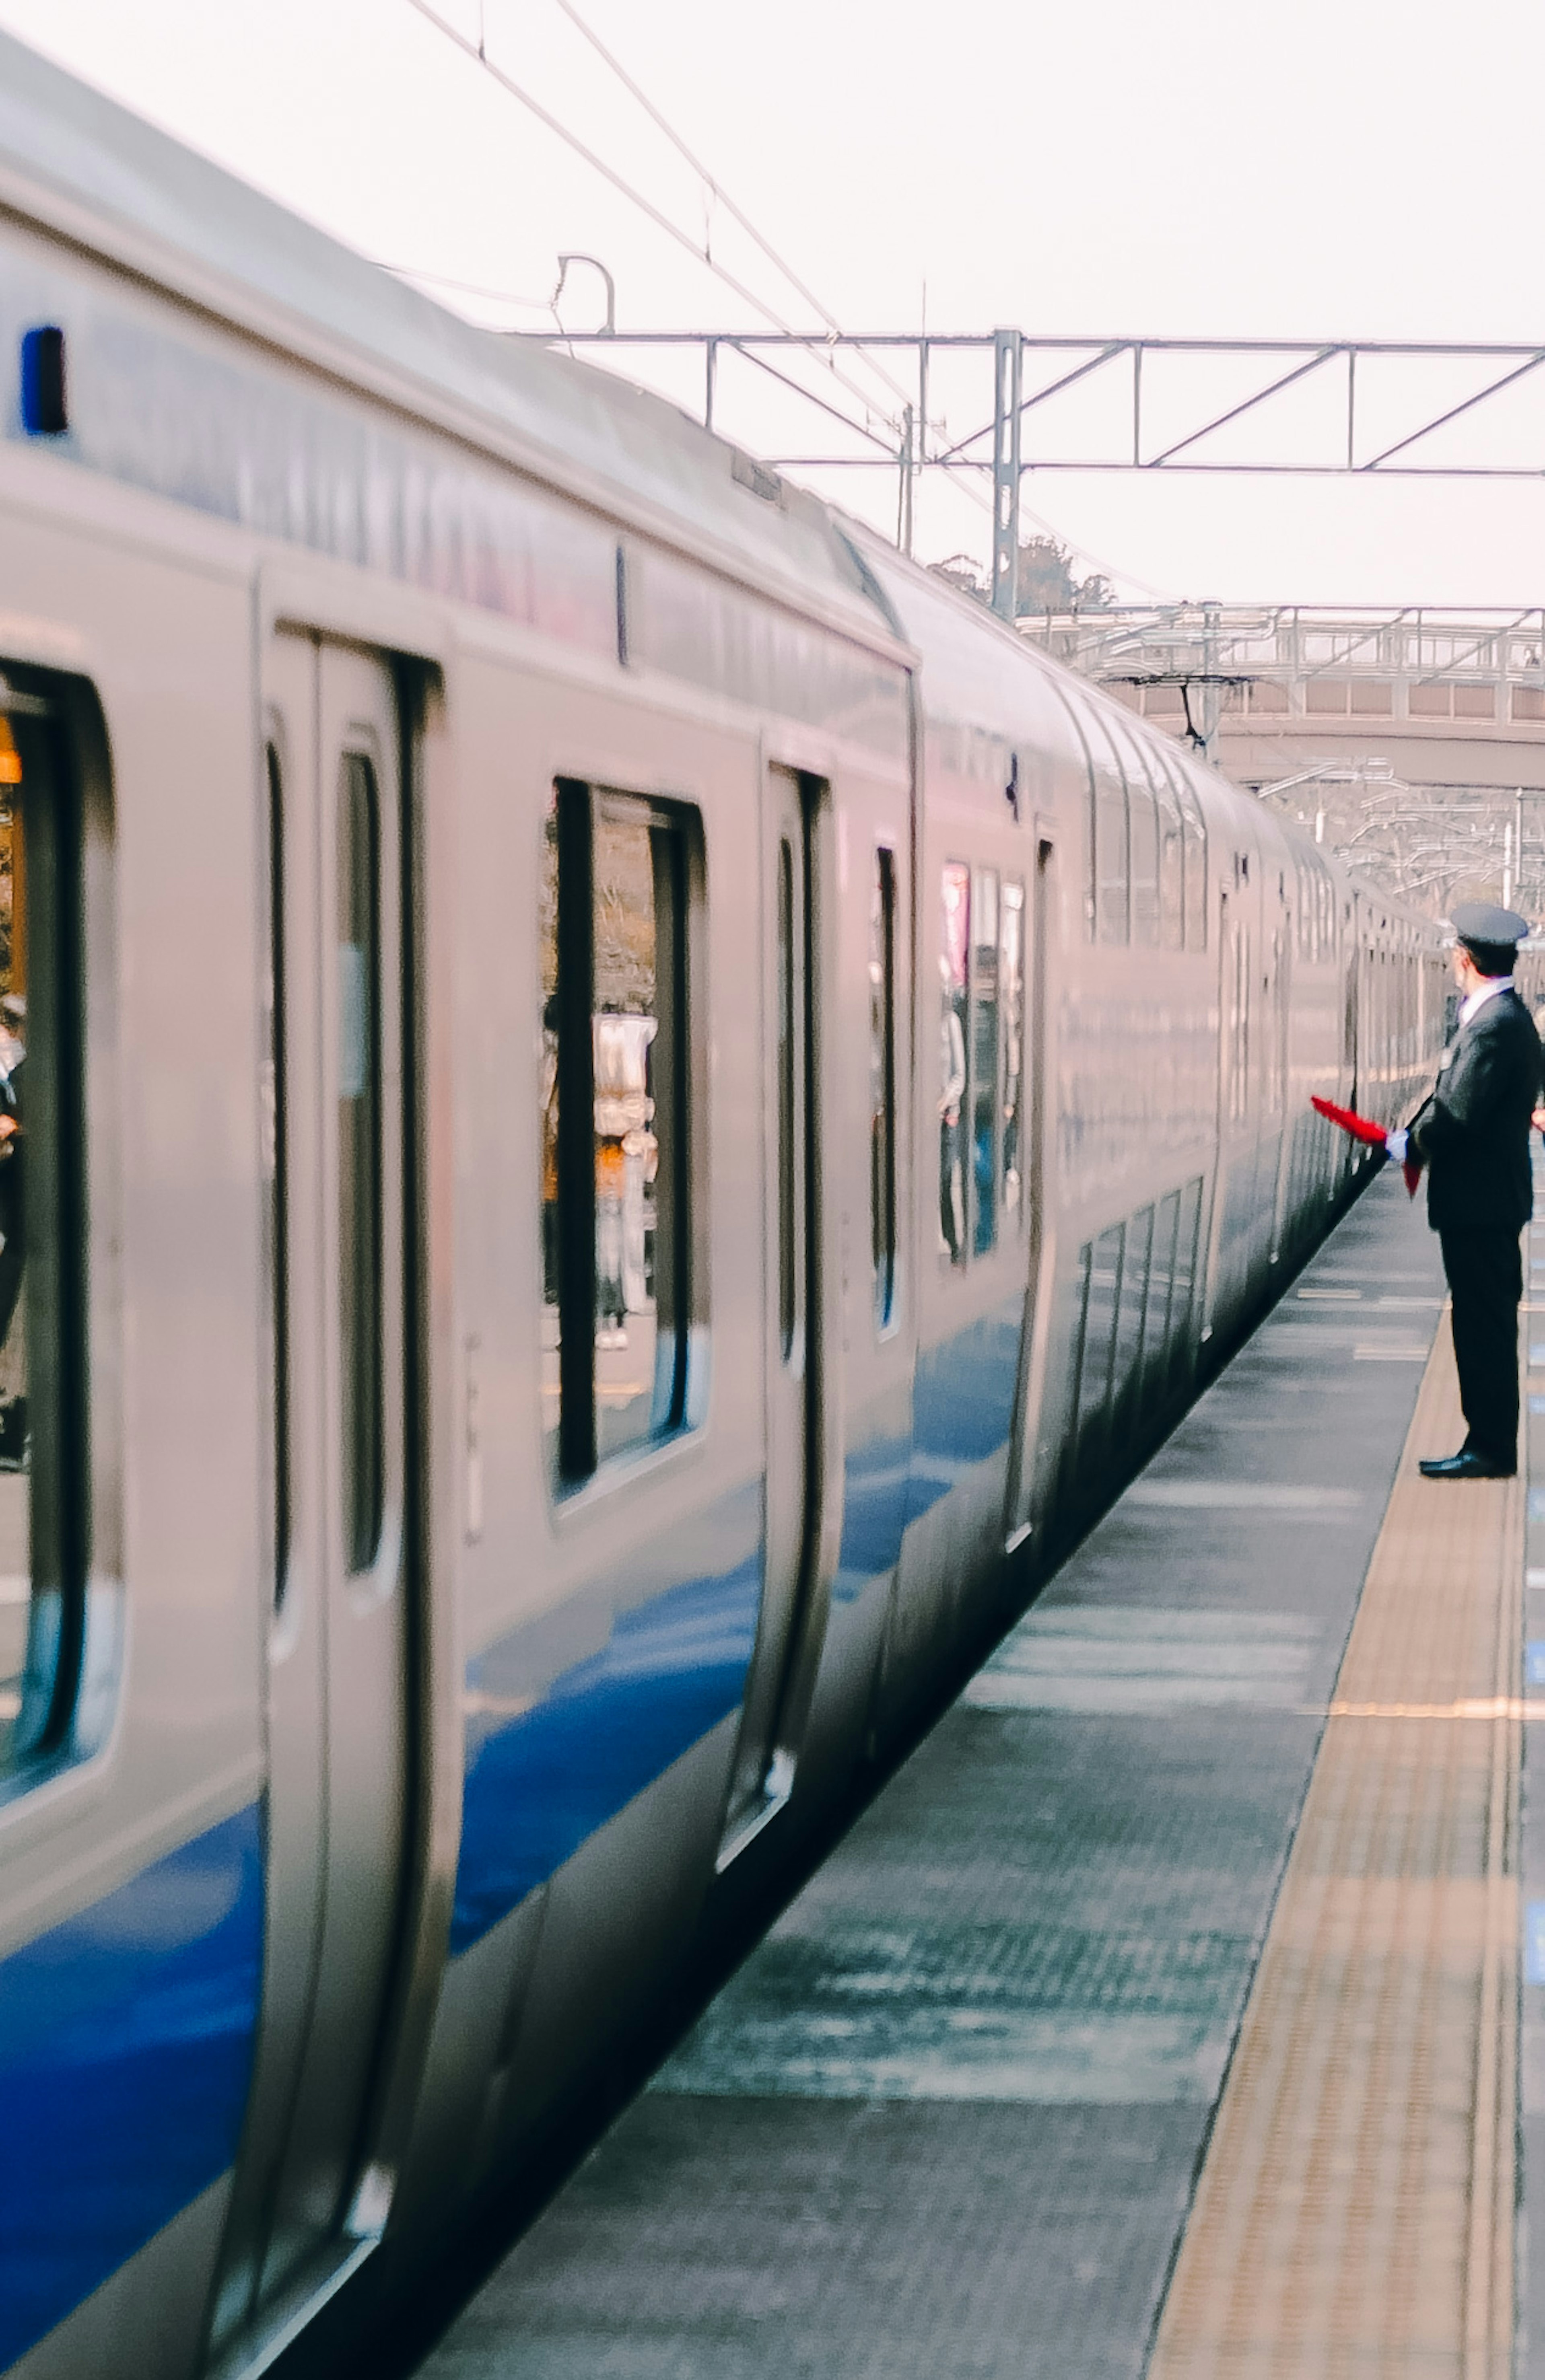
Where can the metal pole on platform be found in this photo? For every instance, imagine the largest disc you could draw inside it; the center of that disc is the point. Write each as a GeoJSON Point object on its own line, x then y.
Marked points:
{"type": "Point", "coordinates": [1008, 370]}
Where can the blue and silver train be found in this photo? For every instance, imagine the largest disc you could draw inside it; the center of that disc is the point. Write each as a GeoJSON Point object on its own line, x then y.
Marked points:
{"type": "Point", "coordinates": [618, 1116]}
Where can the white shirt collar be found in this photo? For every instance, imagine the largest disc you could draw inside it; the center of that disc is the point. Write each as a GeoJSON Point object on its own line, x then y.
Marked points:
{"type": "Point", "coordinates": [1477, 998]}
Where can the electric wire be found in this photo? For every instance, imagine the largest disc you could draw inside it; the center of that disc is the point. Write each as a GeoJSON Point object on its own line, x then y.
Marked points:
{"type": "Point", "coordinates": [716, 188]}
{"type": "Point", "coordinates": [663, 222]}
{"type": "Point", "coordinates": [477, 51]}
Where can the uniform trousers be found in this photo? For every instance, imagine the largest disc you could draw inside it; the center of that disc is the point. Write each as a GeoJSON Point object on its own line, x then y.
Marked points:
{"type": "Point", "coordinates": [1486, 1277]}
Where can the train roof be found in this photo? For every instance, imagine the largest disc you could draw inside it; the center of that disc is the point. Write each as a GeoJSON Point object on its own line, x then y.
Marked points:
{"type": "Point", "coordinates": [77, 161]}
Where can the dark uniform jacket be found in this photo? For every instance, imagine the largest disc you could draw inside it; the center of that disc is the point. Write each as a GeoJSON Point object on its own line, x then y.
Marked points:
{"type": "Point", "coordinates": [1473, 1133]}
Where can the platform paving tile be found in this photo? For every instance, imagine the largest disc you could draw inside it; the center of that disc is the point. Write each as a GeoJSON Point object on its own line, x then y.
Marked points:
{"type": "Point", "coordinates": [946, 2121]}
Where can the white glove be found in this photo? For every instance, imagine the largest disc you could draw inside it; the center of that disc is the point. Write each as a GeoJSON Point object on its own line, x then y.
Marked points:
{"type": "Point", "coordinates": [1395, 1145]}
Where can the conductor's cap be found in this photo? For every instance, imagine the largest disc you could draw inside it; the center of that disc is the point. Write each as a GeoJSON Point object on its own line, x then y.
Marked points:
{"type": "Point", "coordinates": [1481, 921]}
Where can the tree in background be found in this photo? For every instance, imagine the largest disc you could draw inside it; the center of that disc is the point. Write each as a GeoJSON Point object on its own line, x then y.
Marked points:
{"type": "Point", "coordinates": [1046, 580]}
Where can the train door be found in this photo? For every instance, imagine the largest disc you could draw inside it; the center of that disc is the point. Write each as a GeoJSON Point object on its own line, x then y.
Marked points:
{"type": "Point", "coordinates": [1036, 1094]}
{"type": "Point", "coordinates": [764, 1762]}
{"type": "Point", "coordinates": [339, 1135]}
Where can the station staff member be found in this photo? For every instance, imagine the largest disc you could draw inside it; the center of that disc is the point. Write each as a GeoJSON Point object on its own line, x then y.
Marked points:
{"type": "Point", "coordinates": [1472, 1134]}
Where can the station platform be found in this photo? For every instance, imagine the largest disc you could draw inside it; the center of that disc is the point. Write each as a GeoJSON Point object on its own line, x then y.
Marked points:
{"type": "Point", "coordinates": [1178, 2007]}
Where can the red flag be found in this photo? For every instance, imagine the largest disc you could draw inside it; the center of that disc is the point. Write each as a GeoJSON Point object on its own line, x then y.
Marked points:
{"type": "Point", "coordinates": [1358, 1126]}
{"type": "Point", "coordinates": [1375, 1134]}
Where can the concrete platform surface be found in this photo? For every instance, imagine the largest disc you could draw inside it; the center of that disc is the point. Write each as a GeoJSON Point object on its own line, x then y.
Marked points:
{"type": "Point", "coordinates": [948, 2119]}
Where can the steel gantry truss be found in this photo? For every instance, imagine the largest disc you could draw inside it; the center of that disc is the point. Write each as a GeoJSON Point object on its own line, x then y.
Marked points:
{"type": "Point", "coordinates": [1168, 414]}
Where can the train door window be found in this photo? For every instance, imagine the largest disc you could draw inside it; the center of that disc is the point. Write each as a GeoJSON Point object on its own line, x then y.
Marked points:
{"type": "Point", "coordinates": [883, 1083]}
{"type": "Point", "coordinates": [1195, 830]}
{"type": "Point", "coordinates": [361, 1385]}
{"type": "Point", "coordinates": [1111, 858]}
{"type": "Point", "coordinates": [614, 1123]}
{"type": "Point", "coordinates": [1012, 992]}
{"type": "Point", "coordinates": [41, 1228]}
{"type": "Point", "coordinates": [274, 1125]}
{"type": "Point", "coordinates": [1136, 1249]}
{"type": "Point", "coordinates": [953, 956]}
{"type": "Point", "coordinates": [1171, 868]}
{"type": "Point", "coordinates": [983, 1062]}
{"type": "Point", "coordinates": [790, 1264]}
{"type": "Point", "coordinates": [1236, 1021]}
{"type": "Point", "coordinates": [1100, 1321]}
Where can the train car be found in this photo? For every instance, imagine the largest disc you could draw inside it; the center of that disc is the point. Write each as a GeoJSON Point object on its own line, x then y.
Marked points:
{"type": "Point", "coordinates": [629, 1115]}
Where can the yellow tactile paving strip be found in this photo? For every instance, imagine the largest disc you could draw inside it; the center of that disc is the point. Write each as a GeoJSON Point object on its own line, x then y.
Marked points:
{"type": "Point", "coordinates": [1354, 2214]}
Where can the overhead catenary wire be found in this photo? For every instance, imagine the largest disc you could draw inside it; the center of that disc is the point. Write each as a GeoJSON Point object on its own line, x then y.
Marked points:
{"type": "Point", "coordinates": [477, 51]}
{"type": "Point", "coordinates": [714, 186]}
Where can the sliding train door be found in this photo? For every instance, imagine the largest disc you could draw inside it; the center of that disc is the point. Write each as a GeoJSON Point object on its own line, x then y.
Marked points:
{"type": "Point", "coordinates": [337, 1133]}
{"type": "Point", "coordinates": [764, 1761]}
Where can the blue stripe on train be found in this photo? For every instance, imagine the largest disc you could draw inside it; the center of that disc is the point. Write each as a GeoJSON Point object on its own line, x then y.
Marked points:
{"type": "Point", "coordinates": [542, 1784]}
{"type": "Point", "coordinates": [126, 2051]}
{"type": "Point", "coordinates": [578, 1749]}
{"type": "Point", "coordinates": [963, 1401]}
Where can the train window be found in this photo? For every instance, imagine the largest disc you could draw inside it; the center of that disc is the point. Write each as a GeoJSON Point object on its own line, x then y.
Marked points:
{"type": "Point", "coordinates": [1012, 991]}
{"type": "Point", "coordinates": [1236, 1020]}
{"type": "Point", "coordinates": [1276, 1025]}
{"type": "Point", "coordinates": [788, 1097]}
{"type": "Point", "coordinates": [883, 1084]}
{"type": "Point", "coordinates": [1111, 861]}
{"type": "Point", "coordinates": [1142, 839]}
{"type": "Point", "coordinates": [983, 1061]}
{"type": "Point", "coordinates": [359, 1161]}
{"type": "Point", "coordinates": [1143, 843]}
{"type": "Point", "coordinates": [1080, 1309]}
{"type": "Point", "coordinates": [1172, 869]}
{"type": "Point", "coordinates": [1161, 1279]}
{"type": "Point", "coordinates": [613, 1124]}
{"type": "Point", "coordinates": [1100, 1321]}
{"type": "Point", "coordinates": [275, 1218]}
{"type": "Point", "coordinates": [1138, 1246]}
{"type": "Point", "coordinates": [956, 924]}
{"type": "Point", "coordinates": [1195, 870]}
{"type": "Point", "coordinates": [42, 1424]}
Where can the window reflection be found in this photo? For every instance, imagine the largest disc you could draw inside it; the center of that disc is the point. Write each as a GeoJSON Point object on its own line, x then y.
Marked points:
{"type": "Point", "coordinates": [1012, 986]}
{"type": "Point", "coordinates": [40, 1523]}
{"type": "Point", "coordinates": [16, 1581]}
{"type": "Point", "coordinates": [612, 928]}
{"type": "Point", "coordinates": [955, 920]}
{"type": "Point", "coordinates": [882, 1086]}
{"type": "Point", "coordinates": [626, 1149]}
{"type": "Point", "coordinates": [359, 1161]}
{"type": "Point", "coordinates": [984, 1061]}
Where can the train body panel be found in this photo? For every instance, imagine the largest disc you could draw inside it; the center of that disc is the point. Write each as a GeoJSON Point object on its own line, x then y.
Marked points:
{"type": "Point", "coordinates": [631, 1114]}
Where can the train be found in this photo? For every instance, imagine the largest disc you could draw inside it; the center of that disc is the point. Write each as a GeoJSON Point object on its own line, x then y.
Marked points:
{"type": "Point", "coordinates": [620, 1115]}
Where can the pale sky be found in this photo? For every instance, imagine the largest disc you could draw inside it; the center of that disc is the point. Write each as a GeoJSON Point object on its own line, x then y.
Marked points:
{"type": "Point", "coordinates": [1339, 168]}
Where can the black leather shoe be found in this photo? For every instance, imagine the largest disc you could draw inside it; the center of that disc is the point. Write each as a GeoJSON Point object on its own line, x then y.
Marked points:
{"type": "Point", "coordinates": [1465, 1464]}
